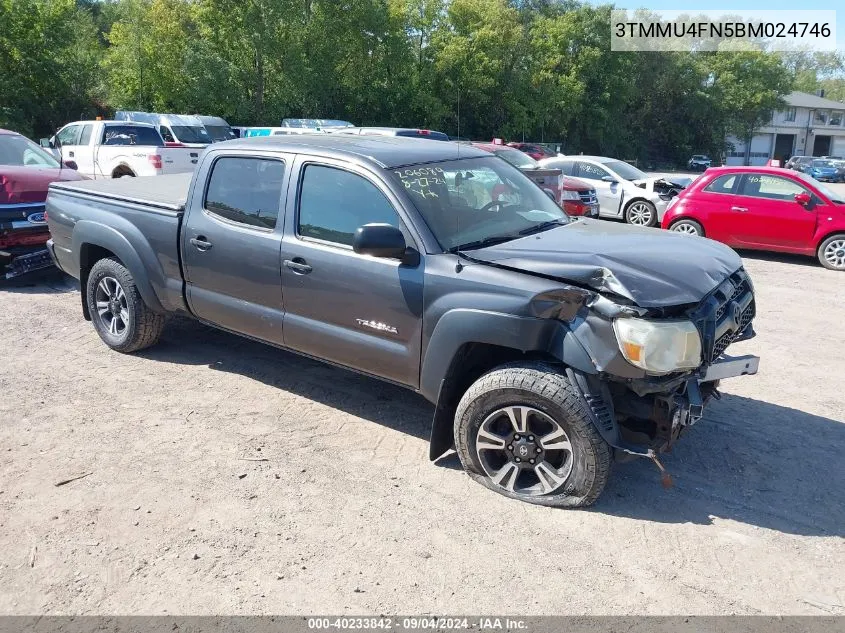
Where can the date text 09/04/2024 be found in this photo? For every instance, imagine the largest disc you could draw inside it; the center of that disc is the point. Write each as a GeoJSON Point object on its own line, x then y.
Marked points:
{"type": "Point", "coordinates": [417, 623]}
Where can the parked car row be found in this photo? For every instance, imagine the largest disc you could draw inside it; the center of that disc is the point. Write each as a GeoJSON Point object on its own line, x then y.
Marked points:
{"type": "Point", "coordinates": [826, 168]}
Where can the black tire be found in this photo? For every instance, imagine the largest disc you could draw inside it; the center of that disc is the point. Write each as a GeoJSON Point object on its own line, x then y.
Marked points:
{"type": "Point", "coordinates": [548, 394]}
{"type": "Point", "coordinates": [637, 210]}
{"type": "Point", "coordinates": [687, 227]}
{"type": "Point", "coordinates": [831, 252]}
{"type": "Point", "coordinates": [141, 327]}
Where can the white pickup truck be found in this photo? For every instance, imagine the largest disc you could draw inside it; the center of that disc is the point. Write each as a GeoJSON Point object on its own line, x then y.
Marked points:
{"type": "Point", "coordinates": [111, 149]}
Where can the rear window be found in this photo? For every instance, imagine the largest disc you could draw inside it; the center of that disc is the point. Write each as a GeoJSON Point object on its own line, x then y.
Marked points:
{"type": "Point", "coordinates": [131, 135]}
{"type": "Point", "coordinates": [434, 136]}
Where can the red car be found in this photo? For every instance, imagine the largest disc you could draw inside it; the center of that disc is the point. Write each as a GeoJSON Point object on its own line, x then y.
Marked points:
{"type": "Point", "coordinates": [534, 150]}
{"type": "Point", "coordinates": [574, 196]}
{"type": "Point", "coordinates": [26, 171]}
{"type": "Point", "coordinates": [763, 208]}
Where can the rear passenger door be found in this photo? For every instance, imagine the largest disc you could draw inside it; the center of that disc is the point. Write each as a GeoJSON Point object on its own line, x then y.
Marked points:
{"type": "Point", "coordinates": [230, 244]}
{"type": "Point", "coordinates": [355, 310]}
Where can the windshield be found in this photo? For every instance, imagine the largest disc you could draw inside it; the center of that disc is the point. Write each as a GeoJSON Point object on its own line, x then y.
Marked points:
{"type": "Point", "coordinates": [517, 158]}
{"type": "Point", "coordinates": [478, 202]}
{"type": "Point", "coordinates": [699, 157]}
{"type": "Point", "coordinates": [823, 163]}
{"type": "Point", "coordinates": [190, 134]}
{"type": "Point", "coordinates": [219, 132]}
{"type": "Point", "coordinates": [625, 171]}
{"type": "Point", "coordinates": [21, 152]}
{"type": "Point", "coordinates": [833, 196]}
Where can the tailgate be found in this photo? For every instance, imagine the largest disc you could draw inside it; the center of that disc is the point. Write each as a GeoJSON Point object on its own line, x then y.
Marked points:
{"type": "Point", "coordinates": [178, 160]}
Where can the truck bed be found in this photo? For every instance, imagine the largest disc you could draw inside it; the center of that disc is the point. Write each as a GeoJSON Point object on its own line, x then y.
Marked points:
{"type": "Point", "coordinates": [167, 192]}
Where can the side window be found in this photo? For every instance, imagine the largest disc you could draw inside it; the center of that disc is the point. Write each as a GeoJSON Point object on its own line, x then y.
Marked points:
{"type": "Point", "coordinates": [246, 190]}
{"type": "Point", "coordinates": [166, 134]}
{"type": "Point", "coordinates": [85, 137]}
{"type": "Point", "coordinates": [771, 187]}
{"type": "Point", "coordinates": [722, 184]}
{"type": "Point", "coordinates": [69, 135]}
{"type": "Point", "coordinates": [567, 167]}
{"type": "Point", "coordinates": [333, 203]}
{"type": "Point", "coordinates": [591, 172]}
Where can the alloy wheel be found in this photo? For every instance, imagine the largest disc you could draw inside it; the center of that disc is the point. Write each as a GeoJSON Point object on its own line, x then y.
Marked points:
{"type": "Point", "coordinates": [640, 213]}
{"type": "Point", "coordinates": [112, 309]}
{"type": "Point", "coordinates": [834, 254]}
{"type": "Point", "coordinates": [686, 228]}
{"type": "Point", "coordinates": [524, 451]}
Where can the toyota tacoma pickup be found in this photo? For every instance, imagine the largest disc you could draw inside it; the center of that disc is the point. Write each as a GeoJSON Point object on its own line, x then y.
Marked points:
{"type": "Point", "coordinates": [550, 346]}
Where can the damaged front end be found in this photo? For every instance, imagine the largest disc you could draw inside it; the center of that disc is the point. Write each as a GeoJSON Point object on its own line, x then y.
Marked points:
{"type": "Point", "coordinates": [23, 239]}
{"type": "Point", "coordinates": [643, 414]}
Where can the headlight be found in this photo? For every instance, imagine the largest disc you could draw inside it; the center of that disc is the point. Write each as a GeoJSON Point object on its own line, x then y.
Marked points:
{"type": "Point", "coordinates": [569, 194]}
{"type": "Point", "coordinates": [659, 347]}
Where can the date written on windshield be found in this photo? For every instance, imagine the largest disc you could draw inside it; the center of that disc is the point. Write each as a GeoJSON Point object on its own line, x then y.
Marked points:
{"type": "Point", "coordinates": [420, 180]}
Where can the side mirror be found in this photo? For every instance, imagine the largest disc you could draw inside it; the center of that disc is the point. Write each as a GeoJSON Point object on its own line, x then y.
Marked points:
{"type": "Point", "coordinates": [70, 164]}
{"type": "Point", "coordinates": [379, 240]}
{"type": "Point", "coordinates": [610, 179]}
{"type": "Point", "coordinates": [803, 199]}
{"type": "Point", "coordinates": [45, 143]}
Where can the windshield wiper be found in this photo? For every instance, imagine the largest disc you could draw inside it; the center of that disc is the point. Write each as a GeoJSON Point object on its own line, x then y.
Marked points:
{"type": "Point", "coordinates": [487, 241]}
{"type": "Point", "coordinates": [537, 228]}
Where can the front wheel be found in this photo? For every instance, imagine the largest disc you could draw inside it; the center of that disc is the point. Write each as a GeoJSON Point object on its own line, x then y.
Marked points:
{"type": "Point", "coordinates": [120, 316]}
{"type": "Point", "coordinates": [523, 431]}
{"type": "Point", "coordinates": [641, 213]}
{"type": "Point", "coordinates": [831, 252]}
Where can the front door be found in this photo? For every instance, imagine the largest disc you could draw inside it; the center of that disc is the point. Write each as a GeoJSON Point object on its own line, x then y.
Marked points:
{"type": "Point", "coordinates": [355, 310]}
{"type": "Point", "coordinates": [608, 187]}
{"type": "Point", "coordinates": [84, 152]}
{"type": "Point", "coordinates": [230, 245]}
{"type": "Point", "coordinates": [68, 142]}
{"type": "Point", "coordinates": [767, 215]}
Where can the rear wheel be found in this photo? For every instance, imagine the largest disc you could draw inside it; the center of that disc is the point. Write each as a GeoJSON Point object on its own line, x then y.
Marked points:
{"type": "Point", "coordinates": [523, 431]}
{"type": "Point", "coordinates": [831, 252]}
{"type": "Point", "coordinates": [641, 213]}
{"type": "Point", "coordinates": [687, 227]}
{"type": "Point", "coordinates": [119, 314]}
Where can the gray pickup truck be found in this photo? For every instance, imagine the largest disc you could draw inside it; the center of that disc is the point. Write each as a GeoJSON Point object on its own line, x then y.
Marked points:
{"type": "Point", "coordinates": [550, 346]}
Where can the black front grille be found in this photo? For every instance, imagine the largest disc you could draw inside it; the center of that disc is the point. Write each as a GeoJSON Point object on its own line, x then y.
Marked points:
{"type": "Point", "coordinates": [588, 197]}
{"type": "Point", "coordinates": [724, 315]}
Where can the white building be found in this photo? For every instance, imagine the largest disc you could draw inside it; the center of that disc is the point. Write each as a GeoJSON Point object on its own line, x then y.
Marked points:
{"type": "Point", "coordinates": [810, 126]}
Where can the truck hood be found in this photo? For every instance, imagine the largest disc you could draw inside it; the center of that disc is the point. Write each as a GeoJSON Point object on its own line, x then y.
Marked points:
{"type": "Point", "coordinates": [20, 185]}
{"type": "Point", "coordinates": [651, 267]}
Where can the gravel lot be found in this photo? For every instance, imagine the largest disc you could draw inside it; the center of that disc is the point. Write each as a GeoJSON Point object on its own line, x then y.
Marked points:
{"type": "Point", "coordinates": [346, 515]}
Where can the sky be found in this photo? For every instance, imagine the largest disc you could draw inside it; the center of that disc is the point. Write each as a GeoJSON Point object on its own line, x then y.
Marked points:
{"type": "Point", "coordinates": [690, 5]}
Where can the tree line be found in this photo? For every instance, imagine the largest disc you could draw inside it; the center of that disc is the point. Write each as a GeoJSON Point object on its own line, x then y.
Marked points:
{"type": "Point", "coordinates": [539, 70]}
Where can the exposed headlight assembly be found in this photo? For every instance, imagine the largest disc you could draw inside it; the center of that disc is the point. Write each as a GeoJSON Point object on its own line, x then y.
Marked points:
{"type": "Point", "coordinates": [659, 347]}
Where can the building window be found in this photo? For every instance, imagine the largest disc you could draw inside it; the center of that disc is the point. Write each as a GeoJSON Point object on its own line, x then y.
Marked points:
{"type": "Point", "coordinates": [790, 115]}
{"type": "Point", "coordinates": [835, 118]}
{"type": "Point", "coordinates": [820, 117]}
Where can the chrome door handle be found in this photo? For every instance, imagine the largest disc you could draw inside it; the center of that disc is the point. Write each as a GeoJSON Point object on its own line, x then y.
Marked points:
{"type": "Point", "coordinates": [739, 209]}
{"type": "Point", "coordinates": [200, 243]}
{"type": "Point", "coordinates": [298, 266]}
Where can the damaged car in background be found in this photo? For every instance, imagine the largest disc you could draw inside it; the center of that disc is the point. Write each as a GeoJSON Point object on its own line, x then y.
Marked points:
{"type": "Point", "coordinates": [624, 192]}
{"type": "Point", "coordinates": [26, 171]}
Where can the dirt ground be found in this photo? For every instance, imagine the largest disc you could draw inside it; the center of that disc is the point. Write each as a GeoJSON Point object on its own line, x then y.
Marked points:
{"type": "Point", "coordinates": [347, 515]}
